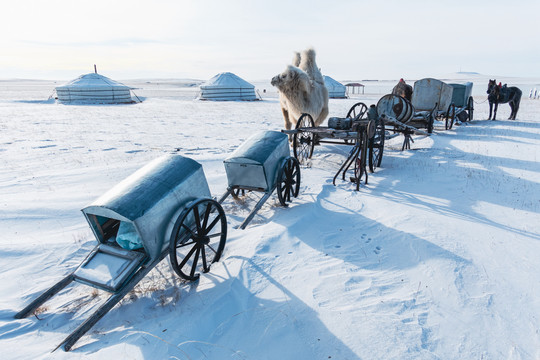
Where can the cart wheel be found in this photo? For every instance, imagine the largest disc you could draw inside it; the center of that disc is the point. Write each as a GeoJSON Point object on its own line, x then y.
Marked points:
{"type": "Point", "coordinates": [360, 161]}
{"type": "Point", "coordinates": [288, 184]}
{"type": "Point", "coordinates": [303, 142]}
{"type": "Point", "coordinates": [236, 192]}
{"type": "Point", "coordinates": [430, 121]}
{"type": "Point", "coordinates": [357, 111]}
{"type": "Point", "coordinates": [376, 146]}
{"type": "Point", "coordinates": [198, 238]}
{"type": "Point", "coordinates": [450, 115]}
{"type": "Point", "coordinates": [470, 106]}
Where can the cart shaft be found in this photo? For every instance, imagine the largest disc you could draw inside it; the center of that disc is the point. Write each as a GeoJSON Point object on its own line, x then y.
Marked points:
{"type": "Point", "coordinates": [107, 306]}
{"type": "Point", "coordinates": [30, 308]}
{"type": "Point", "coordinates": [225, 196]}
{"type": "Point", "coordinates": [255, 209]}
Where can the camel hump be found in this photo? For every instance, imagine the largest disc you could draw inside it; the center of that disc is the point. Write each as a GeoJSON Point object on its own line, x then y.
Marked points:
{"type": "Point", "coordinates": [296, 59]}
{"type": "Point", "coordinates": [309, 65]}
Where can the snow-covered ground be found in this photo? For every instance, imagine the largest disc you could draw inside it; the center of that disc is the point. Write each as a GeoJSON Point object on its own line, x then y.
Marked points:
{"type": "Point", "coordinates": [436, 258]}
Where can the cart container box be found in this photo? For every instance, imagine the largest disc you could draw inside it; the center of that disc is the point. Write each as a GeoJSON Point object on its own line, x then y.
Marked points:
{"type": "Point", "coordinates": [461, 94]}
{"type": "Point", "coordinates": [255, 163]}
{"type": "Point", "coordinates": [145, 204]}
{"type": "Point", "coordinates": [430, 92]}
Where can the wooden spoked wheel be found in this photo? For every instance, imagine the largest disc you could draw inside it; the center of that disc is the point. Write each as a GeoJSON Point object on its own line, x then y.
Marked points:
{"type": "Point", "coordinates": [450, 116]}
{"type": "Point", "coordinates": [237, 192]}
{"type": "Point", "coordinates": [288, 185]}
{"type": "Point", "coordinates": [430, 122]}
{"type": "Point", "coordinates": [470, 107]}
{"type": "Point", "coordinates": [358, 111]}
{"type": "Point", "coordinates": [360, 160]}
{"type": "Point", "coordinates": [198, 238]}
{"type": "Point", "coordinates": [304, 141]}
{"type": "Point", "coordinates": [376, 146]}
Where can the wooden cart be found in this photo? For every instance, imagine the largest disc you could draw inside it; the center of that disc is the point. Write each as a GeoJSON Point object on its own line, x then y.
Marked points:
{"type": "Point", "coordinates": [365, 133]}
{"type": "Point", "coordinates": [165, 208]}
{"type": "Point", "coordinates": [263, 164]}
{"type": "Point", "coordinates": [462, 107]}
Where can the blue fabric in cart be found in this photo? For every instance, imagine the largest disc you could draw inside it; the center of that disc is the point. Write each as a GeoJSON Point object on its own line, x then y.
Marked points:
{"type": "Point", "coordinates": [127, 236]}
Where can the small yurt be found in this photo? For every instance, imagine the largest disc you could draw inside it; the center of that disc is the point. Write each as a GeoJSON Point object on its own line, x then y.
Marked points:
{"type": "Point", "coordinates": [227, 86]}
{"type": "Point", "coordinates": [94, 88]}
{"type": "Point", "coordinates": [336, 90]}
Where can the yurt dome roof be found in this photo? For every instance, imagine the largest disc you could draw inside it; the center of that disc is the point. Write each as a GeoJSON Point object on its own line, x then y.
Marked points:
{"type": "Point", "coordinates": [333, 84]}
{"type": "Point", "coordinates": [225, 80]}
{"type": "Point", "coordinates": [227, 86]}
{"type": "Point", "coordinates": [336, 90]}
{"type": "Point", "coordinates": [94, 88]}
{"type": "Point", "coordinates": [93, 81]}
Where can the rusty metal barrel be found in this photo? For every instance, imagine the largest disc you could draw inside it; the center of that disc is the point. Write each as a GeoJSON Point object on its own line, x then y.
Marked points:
{"type": "Point", "coordinates": [396, 107]}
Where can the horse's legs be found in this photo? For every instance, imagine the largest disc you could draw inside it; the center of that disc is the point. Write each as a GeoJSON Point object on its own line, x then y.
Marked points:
{"type": "Point", "coordinates": [490, 108]}
{"type": "Point", "coordinates": [495, 111]}
{"type": "Point", "coordinates": [516, 108]}
{"type": "Point", "coordinates": [512, 110]}
{"type": "Point", "coordinates": [517, 100]}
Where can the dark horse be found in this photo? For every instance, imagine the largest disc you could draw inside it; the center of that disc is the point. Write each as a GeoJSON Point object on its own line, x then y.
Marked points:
{"type": "Point", "coordinates": [403, 89]}
{"type": "Point", "coordinates": [503, 95]}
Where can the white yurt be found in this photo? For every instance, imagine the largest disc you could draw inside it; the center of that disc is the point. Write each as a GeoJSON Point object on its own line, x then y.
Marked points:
{"type": "Point", "coordinates": [336, 90]}
{"type": "Point", "coordinates": [227, 86]}
{"type": "Point", "coordinates": [94, 88]}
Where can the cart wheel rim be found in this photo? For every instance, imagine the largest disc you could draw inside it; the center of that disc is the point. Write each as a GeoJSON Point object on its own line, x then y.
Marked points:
{"type": "Point", "coordinates": [357, 111]}
{"type": "Point", "coordinates": [471, 108]}
{"type": "Point", "coordinates": [303, 142]}
{"type": "Point", "coordinates": [360, 161]}
{"type": "Point", "coordinates": [376, 147]}
{"type": "Point", "coordinates": [237, 192]}
{"type": "Point", "coordinates": [198, 238]}
{"type": "Point", "coordinates": [288, 185]}
{"type": "Point", "coordinates": [449, 120]}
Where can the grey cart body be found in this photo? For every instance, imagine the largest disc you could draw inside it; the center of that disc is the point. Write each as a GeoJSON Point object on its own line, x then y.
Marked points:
{"type": "Point", "coordinates": [461, 93]}
{"type": "Point", "coordinates": [429, 94]}
{"type": "Point", "coordinates": [444, 101]}
{"type": "Point", "coordinates": [431, 100]}
{"type": "Point", "coordinates": [263, 163]}
{"type": "Point", "coordinates": [137, 223]}
{"type": "Point", "coordinates": [462, 102]}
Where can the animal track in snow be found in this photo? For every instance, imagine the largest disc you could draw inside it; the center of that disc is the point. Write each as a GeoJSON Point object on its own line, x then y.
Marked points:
{"type": "Point", "coordinates": [44, 146]}
{"type": "Point", "coordinates": [368, 240]}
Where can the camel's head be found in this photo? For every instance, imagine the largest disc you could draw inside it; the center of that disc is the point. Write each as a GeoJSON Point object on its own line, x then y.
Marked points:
{"type": "Point", "coordinates": [285, 77]}
{"type": "Point", "coordinates": [291, 78]}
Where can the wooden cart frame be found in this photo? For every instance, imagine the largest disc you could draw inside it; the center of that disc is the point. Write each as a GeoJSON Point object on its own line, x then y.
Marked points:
{"type": "Point", "coordinates": [358, 129]}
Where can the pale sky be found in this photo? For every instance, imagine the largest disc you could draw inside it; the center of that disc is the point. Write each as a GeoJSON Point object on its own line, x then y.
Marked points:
{"type": "Point", "coordinates": [387, 39]}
